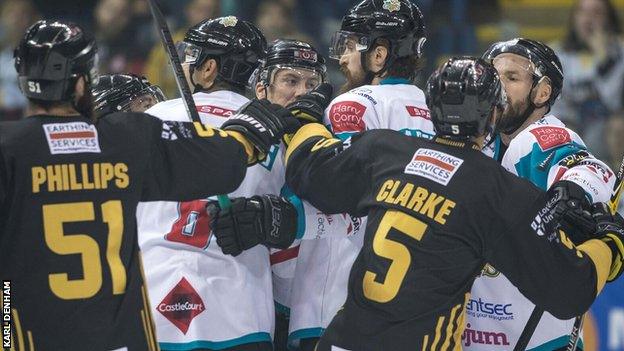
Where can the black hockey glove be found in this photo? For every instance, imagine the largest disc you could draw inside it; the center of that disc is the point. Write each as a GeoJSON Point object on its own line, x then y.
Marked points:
{"type": "Point", "coordinates": [309, 108]}
{"type": "Point", "coordinates": [572, 211]}
{"type": "Point", "coordinates": [610, 229]}
{"type": "Point", "coordinates": [263, 124]}
{"type": "Point", "coordinates": [269, 220]}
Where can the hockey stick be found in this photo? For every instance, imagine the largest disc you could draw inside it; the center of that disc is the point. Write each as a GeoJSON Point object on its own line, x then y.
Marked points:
{"type": "Point", "coordinates": [613, 205]}
{"type": "Point", "coordinates": [185, 91]}
{"type": "Point", "coordinates": [537, 313]}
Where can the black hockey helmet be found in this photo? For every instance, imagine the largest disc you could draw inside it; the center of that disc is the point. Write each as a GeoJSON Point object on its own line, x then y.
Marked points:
{"type": "Point", "coordinates": [544, 59]}
{"type": "Point", "coordinates": [400, 22]}
{"type": "Point", "coordinates": [461, 96]}
{"type": "Point", "coordinates": [116, 92]}
{"type": "Point", "coordinates": [289, 53]}
{"type": "Point", "coordinates": [237, 45]}
{"type": "Point", "coordinates": [51, 57]}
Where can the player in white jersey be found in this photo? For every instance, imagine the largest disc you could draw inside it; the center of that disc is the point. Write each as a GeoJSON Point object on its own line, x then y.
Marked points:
{"type": "Point", "coordinates": [538, 147]}
{"type": "Point", "coordinates": [290, 69]}
{"type": "Point", "coordinates": [378, 47]}
{"type": "Point", "coordinates": [203, 299]}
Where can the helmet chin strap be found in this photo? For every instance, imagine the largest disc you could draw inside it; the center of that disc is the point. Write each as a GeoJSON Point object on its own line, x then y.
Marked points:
{"type": "Point", "coordinates": [196, 87]}
{"type": "Point", "coordinates": [370, 75]}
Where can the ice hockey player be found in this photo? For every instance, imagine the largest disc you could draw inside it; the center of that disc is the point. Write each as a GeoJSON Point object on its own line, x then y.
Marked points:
{"type": "Point", "coordinates": [538, 147]}
{"type": "Point", "coordinates": [125, 92]}
{"type": "Point", "coordinates": [437, 211]}
{"type": "Point", "coordinates": [69, 188]}
{"type": "Point", "coordinates": [379, 48]}
{"type": "Point", "coordinates": [202, 298]}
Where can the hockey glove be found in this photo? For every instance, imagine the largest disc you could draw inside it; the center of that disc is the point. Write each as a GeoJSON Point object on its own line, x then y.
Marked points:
{"type": "Point", "coordinates": [572, 211]}
{"type": "Point", "coordinates": [269, 220]}
{"type": "Point", "coordinates": [610, 229]}
{"type": "Point", "coordinates": [263, 124]}
{"type": "Point", "coordinates": [309, 108]}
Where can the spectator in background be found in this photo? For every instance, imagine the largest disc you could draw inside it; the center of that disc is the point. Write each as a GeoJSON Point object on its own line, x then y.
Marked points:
{"type": "Point", "coordinates": [276, 20]}
{"type": "Point", "coordinates": [156, 68]}
{"type": "Point", "coordinates": [15, 17]}
{"type": "Point", "coordinates": [592, 55]}
{"type": "Point", "coordinates": [614, 139]}
{"type": "Point", "coordinates": [116, 34]}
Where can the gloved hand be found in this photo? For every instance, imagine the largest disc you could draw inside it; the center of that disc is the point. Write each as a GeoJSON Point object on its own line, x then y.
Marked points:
{"type": "Point", "coordinates": [572, 211]}
{"type": "Point", "coordinates": [262, 124]}
{"type": "Point", "coordinates": [269, 220]}
{"type": "Point", "coordinates": [309, 108]}
{"type": "Point", "coordinates": [610, 229]}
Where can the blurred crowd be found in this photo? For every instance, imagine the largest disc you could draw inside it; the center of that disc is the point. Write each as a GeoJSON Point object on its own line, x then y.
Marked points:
{"type": "Point", "coordinates": [592, 50]}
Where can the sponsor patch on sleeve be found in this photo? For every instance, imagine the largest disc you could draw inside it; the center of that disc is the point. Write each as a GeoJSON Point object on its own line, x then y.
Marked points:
{"type": "Point", "coordinates": [215, 110]}
{"type": "Point", "coordinates": [434, 165]}
{"type": "Point", "coordinates": [71, 138]}
{"type": "Point", "coordinates": [347, 116]}
{"type": "Point", "coordinates": [549, 137]}
{"type": "Point", "coordinates": [418, 112]}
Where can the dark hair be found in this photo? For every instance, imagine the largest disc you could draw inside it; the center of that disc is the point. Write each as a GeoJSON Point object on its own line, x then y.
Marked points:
{"type": "Point", "coordinates": [572, 42]}
{"type": "Point", "coordinates": [403, 67]}
{"type": "Point", "coordinates": [47, 105]}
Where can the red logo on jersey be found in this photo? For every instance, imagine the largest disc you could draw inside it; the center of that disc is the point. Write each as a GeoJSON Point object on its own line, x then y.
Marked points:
{"type": "Point", "coordinates": [347, 116]}
{"type": "Point", "coordinates": [215, 110]}
{"type": "Point", "coordinates": [181, 305]}
{"type": "Point", "coordinates": [192, 226]}
{"type": "Point", "coordinates": [549, 137]}
{"type": "Point", "coordinates": [418, 112]}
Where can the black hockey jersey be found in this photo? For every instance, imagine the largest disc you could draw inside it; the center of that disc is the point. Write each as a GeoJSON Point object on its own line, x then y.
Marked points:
{"type": "Point", "coordinates": [437, 212]}
{"type": "Point", "coordinates": [68, 244]}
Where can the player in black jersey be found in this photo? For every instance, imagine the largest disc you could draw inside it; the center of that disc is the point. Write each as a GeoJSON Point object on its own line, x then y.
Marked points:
{"type": "Point", "coordinates": [437, 212]}
{"type": "Point", "coordinates": [69, 188]}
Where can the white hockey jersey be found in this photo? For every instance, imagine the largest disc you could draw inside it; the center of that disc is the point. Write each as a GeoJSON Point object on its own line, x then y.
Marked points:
{"type": "Point", "coordinates": [323, 266]}
{"type": "Point", "coordinates": [201, 297]}
{"type": "Point", "coordinates": [497, 312]}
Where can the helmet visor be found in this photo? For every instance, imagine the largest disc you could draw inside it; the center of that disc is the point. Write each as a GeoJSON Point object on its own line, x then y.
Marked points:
{"type": "Point", "coordinates": [188, 53]}
{"type": "Point", "coordinates": [143, 100]}
{"type": "Point", "coordinates": [344, 42]}
{"type": "Point", "coordinates": [294, 78]}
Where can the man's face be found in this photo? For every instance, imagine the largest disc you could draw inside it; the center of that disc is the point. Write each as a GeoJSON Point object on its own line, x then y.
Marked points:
{"type": "Point", "coordinates": [517, 78]}
{"type": "Point", "coordinates": [142, 103]}
{"type": "Point", "coordinates": [351, 66]}
{"type": "Point", "coordinates": [287, 84]}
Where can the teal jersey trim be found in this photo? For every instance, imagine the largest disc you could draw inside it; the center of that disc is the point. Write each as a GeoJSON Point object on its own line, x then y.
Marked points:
{"type": "Point", "coordinates": [497, 147]}
{"type": "Point", "coordinates": [281, 309]}
{"type": "Point", "coordinates": [535, 165]}
{"type": "Point", "coordinates": [271, 156]}
{"type": "Point", "coordinates": [556, 344]}
{"type": "Point", "coordinates": [215, 345]}
{"type": "Point", "coordinates": [296, 201]}
{"type": "Point", "coordinates": [304, 334]}
{"type": "Point", "coordinates": [394, 80]}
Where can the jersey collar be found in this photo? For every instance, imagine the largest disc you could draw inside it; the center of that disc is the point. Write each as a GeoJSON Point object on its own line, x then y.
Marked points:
{"type": "Point", "coordinates": [457, 143]}
{"type": "Point", "coordinates": [394, 80]}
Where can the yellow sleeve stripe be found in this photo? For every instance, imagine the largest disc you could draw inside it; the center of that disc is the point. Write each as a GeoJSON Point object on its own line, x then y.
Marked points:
{"type": "Point", "coordinates": [304, 133]}
{"type": "Point", "coordinates": [600, 254]}
{"type": "Point", "coordinates": [250, 150]}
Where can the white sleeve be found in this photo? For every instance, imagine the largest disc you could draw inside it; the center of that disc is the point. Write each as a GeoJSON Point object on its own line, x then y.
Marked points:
{"type": "Point", "coordinates": [349, 114]}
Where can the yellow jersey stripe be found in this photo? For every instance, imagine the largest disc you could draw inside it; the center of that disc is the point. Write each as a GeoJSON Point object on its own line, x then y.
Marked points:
{"type": "Point", "coordinates": [449, 328]}
{"type": "Point", "coordinates": [425, 342]}
{"type": "Point", "coordinates": [18, 327]}
{"type": "Point", "coordinates": [30, 341]}
{"type": "Point", "coordinates": [304, 133]}
{"type": "Point", "coordinates": [600, 254]}
{"type": "Point", "coordinates": [436, 339]}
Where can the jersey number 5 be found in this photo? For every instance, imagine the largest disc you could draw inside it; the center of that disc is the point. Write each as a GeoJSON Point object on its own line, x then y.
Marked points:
{"type": "Point", "coordinates": [54, 216]}
{"type": "Point", "coordinates": [396, 252]}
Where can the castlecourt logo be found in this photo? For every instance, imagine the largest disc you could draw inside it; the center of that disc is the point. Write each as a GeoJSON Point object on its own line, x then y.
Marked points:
{"type": "Point", "coordinates": [181, 305]}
